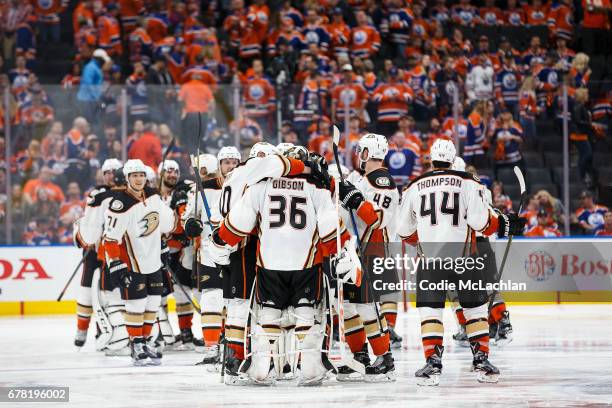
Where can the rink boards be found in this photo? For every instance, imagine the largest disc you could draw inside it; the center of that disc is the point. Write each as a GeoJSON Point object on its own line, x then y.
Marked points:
{"type": "Point", "coordinates": [31, 278]}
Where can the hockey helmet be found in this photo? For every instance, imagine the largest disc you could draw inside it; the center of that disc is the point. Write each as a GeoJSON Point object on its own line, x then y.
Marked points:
{"type": "Point", "coordinates": [111, 165]}
{"type": "Point", "coordinates": [207, 161]}
{"type": "Point", "coordinates": [262, 149]}
{"type": "Point", "coordinates": [443, 150]}
{"type": "Point", "coordinates": [151, 176]}
{"type": "Point", "coordinates": [458, 164]}
{"type": "Point", "coordinates": [228, 152]}
{"type": "Point", "coordinates": [168, 165]}
{"type": "Point", "coordinates": [372, 146]}
{"type": "Point", "coordinates": [283, 147]}
{"type": "Point", "coordinates": [298, 153]}
{"type": "Point", "coordinates": [119, 177]}
{"type": "Point", "coordinates": [134, 166]}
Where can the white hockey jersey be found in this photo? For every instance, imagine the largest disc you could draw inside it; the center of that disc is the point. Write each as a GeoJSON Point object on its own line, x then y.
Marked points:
{"type": "Point", "coordinates": [297, 223]}
{"type": "Point", "coordinates": [89, 228]}
{"type": "Point", "coordinates": [375, 217]}
{"type": "Point", "coordinates": [445, 206]}
{"type": "Point", "coordinates": [134, 227]}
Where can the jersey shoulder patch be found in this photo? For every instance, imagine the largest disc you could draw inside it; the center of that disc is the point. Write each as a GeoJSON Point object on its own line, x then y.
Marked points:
{"type": "Point", "coordinates": [122, 201]}
{"type": "Point", "coordinates": [380, 178]}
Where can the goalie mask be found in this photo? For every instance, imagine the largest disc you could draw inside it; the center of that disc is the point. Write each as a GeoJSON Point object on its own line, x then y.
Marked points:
{"type": "Point", "coordinates": [372, 146]}
{"type": "Point", "coordinates": [298, 153]}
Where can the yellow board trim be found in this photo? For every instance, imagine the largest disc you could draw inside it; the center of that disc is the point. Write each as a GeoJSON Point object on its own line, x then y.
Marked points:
{"type": "Point", "coordinates": [44, 307]}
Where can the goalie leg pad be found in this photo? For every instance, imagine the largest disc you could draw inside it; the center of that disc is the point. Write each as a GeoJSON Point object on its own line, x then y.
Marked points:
{"type": "Point", "coordinates": [264, 337]}
{"type": "Point", "coordinates": [115, 310]}
{"type": "Point", "coordinates": [165, 328]}
{"type": "Point", "coordinates": [312, 369]}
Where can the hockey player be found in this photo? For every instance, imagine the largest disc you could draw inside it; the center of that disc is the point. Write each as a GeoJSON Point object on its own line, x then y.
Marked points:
{"type": "Point", "coordinates": [500, 328]}
{"type": "Point", "coordinates": [135, 221]}
{"type": "Point", "coordinates": [296, 215]}
{"type": "Point", "coordinates": [375, 200]}
{"type": "Point", "coordinates": [174, 194]}
{"type": "Point", "coordinates": [448, 206]}
{"type": "Point", "coordinates": [88, 232]}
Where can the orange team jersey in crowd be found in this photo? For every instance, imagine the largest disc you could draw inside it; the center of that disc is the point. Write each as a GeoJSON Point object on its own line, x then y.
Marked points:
{"type": "Point", "coordinates": [206, 76]}
{"type": "Point", "coordinates": [31, 114]}
{"type": "Point", "coordinates": [421, 28]}
{"type": "Point", "coordinates": [603, 233]}
{"type": "Point", "coordinates": [448, 127]}
{"type": "Point", "coordinates": [528, 105]}
{"type": "Point", "coordinates": [139, 41]}
{"type": "Point", "coordinates": [129, 10]}
{"type": "Point", "coordinates": [340, 34]}
{"type": "Point", "coordinates": [561, 21]}
{"type": "Point", "coordinates": [259, 97]}
{"type": "Point", "coordinates": [353, 94]}
{"type": "Point", "coordinates": [393, 100]}
{"type": "Point", "coordinates": [47, 11]}
{"type": "Point", "coordinates": [81, 12]}
{"type": "Point", "coordinates": [259, 16]}
{"type": "Point", "coordinates": [74, 206]}
{"type": "Point", "coordinates": [365, 41]}
{"type": "Point", "coordinates": [536, 15]}
{"type": "Point", "coordinates": [541, 231]}
{"type": "Point", "coordinates": [250, 43]}
{"type": "Point", "coordinates": [514, 17]}
{"type": "Point", "coordinates": [596, 19]}
{"type": "Point", "coordinates": [157, 28]}
{"type": "Point", "coordinates": [196, 96]}
{"type": "Point", "coordinates": [322, 144]}
{"type": "Point", "coordinates": [109, 35]}
{"type": "Point", "coordinates": [53, 190]}
{"type": "Point", "coordinates": [491, 16]}
{"type": "Point", "coordinates": [233, 26]}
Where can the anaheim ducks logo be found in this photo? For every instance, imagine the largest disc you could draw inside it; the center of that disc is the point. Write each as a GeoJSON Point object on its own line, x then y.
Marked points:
{"type": "Point", "coordinates": [149, 223]}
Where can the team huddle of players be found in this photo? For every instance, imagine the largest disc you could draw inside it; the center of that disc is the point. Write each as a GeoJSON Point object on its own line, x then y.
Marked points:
{"type": "Point", "coordinates": [262, 248]}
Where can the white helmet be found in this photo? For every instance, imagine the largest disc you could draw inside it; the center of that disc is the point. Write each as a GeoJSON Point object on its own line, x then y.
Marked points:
{"type": "Point", "coordinates": [260, 148]}
{"type": "Point", "coordinates": [377, 146]}
{"type": "Point", "coordinates": [111, 164]}
{"type": "Point", "coordinates": [151, 176]}
{"type": "Point", "coordinates": [443, 150]}
{"type": "Point", "coordinates": [207, 161]}
{"type": "Point", "coordinates": [228, 152]}
{"type": "Point", "coordinates": [168, 165]}
{"type": "Point", "coordinates": [134, 166]}
{"type": "Point", "coordinates": [281, 148]}
{"type": "Point", "coordinates": [458, 164]}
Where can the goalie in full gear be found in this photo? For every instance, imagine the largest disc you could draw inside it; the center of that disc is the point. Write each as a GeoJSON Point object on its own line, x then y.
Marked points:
{"type": "Point", "coordinates": [444, 209]}
{"type": "Point", "coordinates": [500, 328]}
{"type": "Point", "coordinates": [375, 200]}
{"type": "Point", "coordinates": [135, 222]}
{"type": "Point", "coordinates": [297, 215]}
{"type": "Point", "coordinates": [88, 234]}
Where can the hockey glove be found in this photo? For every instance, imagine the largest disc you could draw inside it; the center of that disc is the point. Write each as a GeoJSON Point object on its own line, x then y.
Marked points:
{"type": "Point", "coordinates": [350, 196]}
{"type": "Point", "coordinates": [218, 250]}
{"type": "Point", "coordinates": [193, 227]}
{"type": "Point", "coordinates": [318, 175]}
{"type": "Point", "coordinates": [179, 198]}
{"type": "Point", "coordinates": [510, 224]}
{"type": "Point", "coordinates": [348, 265]}
{"type": "Point", "coordinates": [120, 270]}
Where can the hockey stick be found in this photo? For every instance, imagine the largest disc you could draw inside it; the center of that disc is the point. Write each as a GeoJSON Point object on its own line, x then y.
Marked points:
{"type": "Point", "coordinates": [61, 295]}
{"type": "Point", "coordinates": [521, 180]}
{"type": "Point", "coordinates": [336, 140]}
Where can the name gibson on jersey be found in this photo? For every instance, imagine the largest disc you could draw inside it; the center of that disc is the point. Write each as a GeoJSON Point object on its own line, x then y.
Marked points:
{"type": "Point", "coordinates": [439, 181]}
{"type": "Point", "coordinates": [288, 184]}
{"type": "Point", "coordinates": [501, 286]}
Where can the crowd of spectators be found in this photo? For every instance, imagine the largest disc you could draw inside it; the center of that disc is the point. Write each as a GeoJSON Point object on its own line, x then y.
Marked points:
{"type": "Point", "coordinates": [414, 71]}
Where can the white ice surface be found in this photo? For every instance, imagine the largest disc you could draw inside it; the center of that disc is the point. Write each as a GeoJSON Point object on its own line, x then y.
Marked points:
{"type": "Point", "coordinates": [561, 357]}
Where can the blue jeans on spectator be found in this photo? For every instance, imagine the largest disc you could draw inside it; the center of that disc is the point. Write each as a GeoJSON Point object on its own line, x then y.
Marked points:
{"type": "Point", "coordinates": [529, 128]}
{"type": "Point", "coordinates": [585, 157]}
{"type": "Point", "coordinates": [49, 33]}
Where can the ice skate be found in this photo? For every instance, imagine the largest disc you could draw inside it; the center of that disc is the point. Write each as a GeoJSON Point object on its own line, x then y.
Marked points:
{"type": "Point", "coordinates": [80, 338]}
{"type": "Point", "coordinates": [461, 337]}
{"type": "Point", "coordinates": [485, 371]}
{"type": "Point", "coordinates": [395, 339]}
{"type": "Point", "coordinates": [235, 370]}
{"type": "Point", "coordinates": [153, 351]}
{"type": "Point", "coordinates": [429, 375]}
{"type": "Point", "coordinates": [381, 370]}
{"type": "Point", "coordinates": [212, 355]}
{"type": "Point", "coordinates": [139, 355]}
{"type": "Point", "coordinates": [184, 341]}
{"type": "Point", "coordinates": [345, 373]}
{"type": "Point", "coordinates": [504, 330]}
